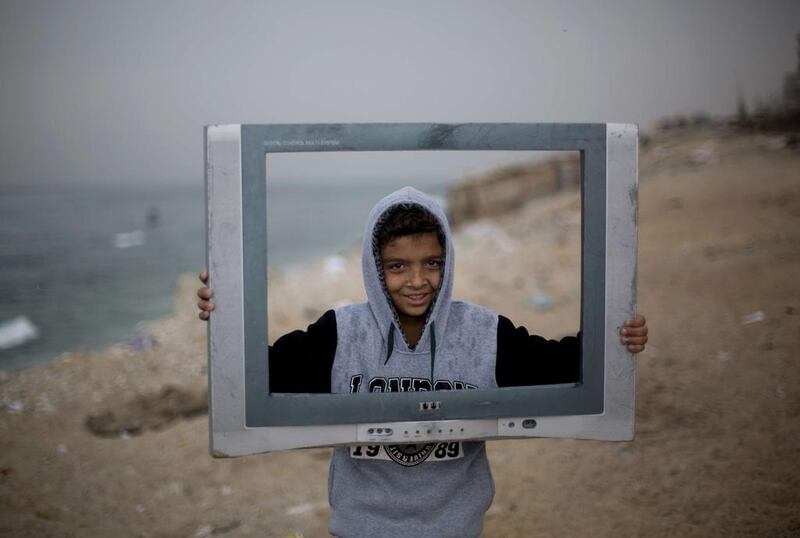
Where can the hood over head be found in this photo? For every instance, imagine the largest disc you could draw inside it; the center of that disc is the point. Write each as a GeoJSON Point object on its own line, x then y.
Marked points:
{"type": "Point", "coordinates": [380, 304]}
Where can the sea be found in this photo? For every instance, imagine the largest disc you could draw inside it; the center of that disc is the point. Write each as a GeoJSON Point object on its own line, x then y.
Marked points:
{"type": "Point", "coordinates": [82, 266]}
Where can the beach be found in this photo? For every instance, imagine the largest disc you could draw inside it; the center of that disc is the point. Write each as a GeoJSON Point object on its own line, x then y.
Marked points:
{"type": "Point", "coordinates": [115, 442]}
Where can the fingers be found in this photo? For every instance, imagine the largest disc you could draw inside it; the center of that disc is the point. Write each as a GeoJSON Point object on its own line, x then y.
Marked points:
{"type": "Point", "coordinates": [636, 321]}
{"type": "Point", "coordinates": [634, 340]}
{"type": "Point", "coordinates": [206, 306]}
{"type": "Point", "coordinates": [635, 327]}
{"type": "Point", "coordinates": [633, 334]}
{"type": "Point", "coordinates": [633, 331]}
{"type": "Point", "coordinates": [205, 293]}
{"type": "Point", "coordinates": [634, 345]}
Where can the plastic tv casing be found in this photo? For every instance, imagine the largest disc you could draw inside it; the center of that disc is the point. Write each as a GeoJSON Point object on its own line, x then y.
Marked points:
{"type": "Point", "coordinates": [246, 419]}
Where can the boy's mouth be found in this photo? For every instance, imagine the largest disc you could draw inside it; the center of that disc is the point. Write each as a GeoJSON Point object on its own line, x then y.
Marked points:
{"type": "Point", "coordinates": [418, 299]}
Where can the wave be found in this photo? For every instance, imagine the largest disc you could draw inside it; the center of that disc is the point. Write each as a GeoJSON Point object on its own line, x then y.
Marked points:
{"type": "Point", "coordinates": [129, 239]}
{"type": "Point", "coordinates": [16, 332]}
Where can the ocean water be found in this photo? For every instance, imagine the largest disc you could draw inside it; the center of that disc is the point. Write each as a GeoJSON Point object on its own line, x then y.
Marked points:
{"type": "Point", "coordinates": [311, 220]}
{"type": "Point", "coordinates": [80, 267]}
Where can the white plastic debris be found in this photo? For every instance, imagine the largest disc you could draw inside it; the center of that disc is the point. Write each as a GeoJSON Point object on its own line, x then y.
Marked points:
{"type": "Point", "coordinates": [304, 508]}
{"type": "Point", "coordinates": [705, 154]}
{"type": "Point", "coordinates": [204, 532]}
{"type": "Point", "coordinates": [540, 301]}
{"type": "Point", "coordinates": [755, 317]}
{"type": "Point", "coordinates": [15, 406]}
{"type": "Point", "coordinates": [723, 356]}
{"type": "Point", "coordinates": [62, 448]}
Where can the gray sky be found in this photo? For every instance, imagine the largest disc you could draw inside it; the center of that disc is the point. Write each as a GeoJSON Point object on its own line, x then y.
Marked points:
{"type": "Point", "coordinates": [118, 91]}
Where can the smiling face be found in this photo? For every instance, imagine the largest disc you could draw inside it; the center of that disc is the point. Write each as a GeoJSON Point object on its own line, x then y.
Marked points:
{"type": "Point", "coordinates": [412, 265]}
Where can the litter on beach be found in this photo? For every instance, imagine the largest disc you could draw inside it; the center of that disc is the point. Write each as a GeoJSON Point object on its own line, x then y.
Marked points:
{"type": "Point", "coordinates": [303, 508]}
{"type": "Point", "coordinates": [15, 406]}
{"type": "Point", "coordinates": [705, 154]}
{"type": "Point", "coordinates": [540, 301]}
{"type": "Point", "coordinates": [755, 317]}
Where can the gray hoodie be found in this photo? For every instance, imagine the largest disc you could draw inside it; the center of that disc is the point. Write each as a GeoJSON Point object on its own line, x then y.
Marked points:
{"type": "Point", "coordinates": [436, 489]}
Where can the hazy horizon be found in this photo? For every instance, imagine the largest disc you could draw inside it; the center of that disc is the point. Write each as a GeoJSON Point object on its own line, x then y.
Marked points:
{"type": "Point", "coordinates": [116, 92]}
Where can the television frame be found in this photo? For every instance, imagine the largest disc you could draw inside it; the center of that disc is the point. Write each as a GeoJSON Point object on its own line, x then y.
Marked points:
{"type": "Point", "coordinates": [244, 418]}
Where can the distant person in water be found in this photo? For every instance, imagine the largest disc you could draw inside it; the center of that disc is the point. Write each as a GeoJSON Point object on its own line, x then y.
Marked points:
{"type": "Point", "coordinates": [153, 217]}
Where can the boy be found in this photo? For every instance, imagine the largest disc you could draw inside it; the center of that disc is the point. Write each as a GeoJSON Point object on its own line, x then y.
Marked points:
{"type": "Point", "coordinates": [410, 335]}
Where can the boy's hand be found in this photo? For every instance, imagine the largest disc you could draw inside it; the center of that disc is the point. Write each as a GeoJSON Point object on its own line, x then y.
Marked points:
{"type": "Point", "coordinates": [633, 334]}
{"type": "Point", "coordinates": [205, 293]}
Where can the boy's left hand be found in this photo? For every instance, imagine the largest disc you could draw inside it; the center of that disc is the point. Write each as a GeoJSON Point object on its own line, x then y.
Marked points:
{"type": "Point", "coordinates": [633, 334]}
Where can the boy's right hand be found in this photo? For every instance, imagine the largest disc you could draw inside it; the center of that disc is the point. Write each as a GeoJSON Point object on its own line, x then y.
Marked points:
{"type": "Point", "coordinates": [205, 293]}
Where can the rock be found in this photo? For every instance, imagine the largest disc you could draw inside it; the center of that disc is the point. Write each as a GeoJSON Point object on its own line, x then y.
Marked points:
{"type": "Point", "coordinates": [147, 412]}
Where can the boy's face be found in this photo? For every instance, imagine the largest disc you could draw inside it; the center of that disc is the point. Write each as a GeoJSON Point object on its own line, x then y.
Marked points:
{"type": "Point", "coordinates": [412, 265]}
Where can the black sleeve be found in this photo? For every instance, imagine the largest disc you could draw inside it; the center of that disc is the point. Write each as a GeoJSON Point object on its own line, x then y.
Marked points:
{"type": "Point", "coordinates": [524, 359]}
{"type": "Point", "coordinates": [302, 361]}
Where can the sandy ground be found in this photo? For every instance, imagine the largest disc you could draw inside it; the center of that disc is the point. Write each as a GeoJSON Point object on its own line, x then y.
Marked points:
{"type": "Point", "coordinates": [718, 390]}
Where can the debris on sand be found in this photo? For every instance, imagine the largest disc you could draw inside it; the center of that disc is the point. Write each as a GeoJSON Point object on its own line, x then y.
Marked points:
{"type": "Point", "coordinates": [755, 317]}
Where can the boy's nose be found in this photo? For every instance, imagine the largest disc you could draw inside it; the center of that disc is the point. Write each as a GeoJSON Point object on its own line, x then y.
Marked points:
{"type": "Point", "coordinates": [415, 278]}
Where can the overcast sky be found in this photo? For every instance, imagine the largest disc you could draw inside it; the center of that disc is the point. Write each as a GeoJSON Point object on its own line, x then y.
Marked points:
{"type": "Point", "coordinates": [118, 91]}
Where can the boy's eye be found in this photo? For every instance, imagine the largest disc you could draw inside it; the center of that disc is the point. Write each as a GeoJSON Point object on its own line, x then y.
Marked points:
{"type": "Point", "coordinates": [435, 263]}
{"type": "Point", "coordinates": [394, 266]}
